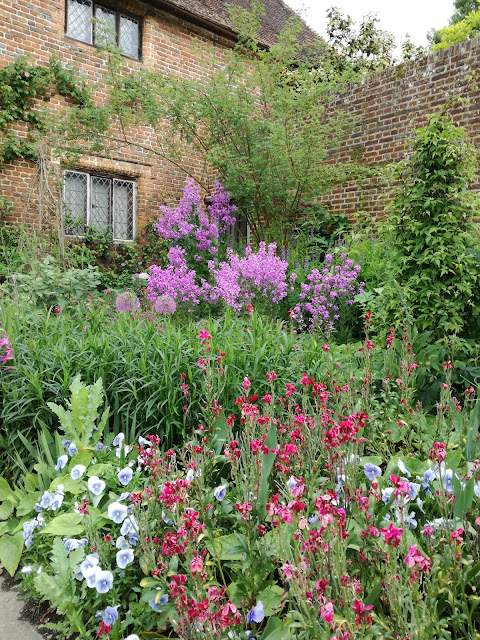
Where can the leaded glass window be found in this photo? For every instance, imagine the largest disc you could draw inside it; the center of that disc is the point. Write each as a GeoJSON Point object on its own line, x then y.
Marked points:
{"type": "Point", "coordinates": [100, 25]}
{"type": "Point", "coordinates": [102, 202]}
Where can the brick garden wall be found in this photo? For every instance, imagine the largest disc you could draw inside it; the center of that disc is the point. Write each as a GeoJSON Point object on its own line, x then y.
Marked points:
{"type": "Point", "coordinates": [390, 105]}
{"type": "Point", "coordinates": [36, 28]}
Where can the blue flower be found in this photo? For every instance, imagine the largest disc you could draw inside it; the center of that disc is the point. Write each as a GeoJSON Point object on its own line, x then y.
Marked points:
{"type": "Point", "coordinates": [117, 512]}
{"type": "Point", "coordinates": [99, 446]}
{"type": "Point", "coordinates": [129, 527]}
{"type": "Point", "coordinates": [124, 476]}
{"type": "Point", "coordinates": [26, 571]}
{"type": "Point", "coordinates": [190, 475]}
{"type": "Point", "coordinates": [118, 440]}
{"type": "Point", "coordinates": [410, 520]}
{"type": "Point", "coordinates": [110, 615]}
{"type": "Point", "coordinates": [90, 562]}
{"type": "Point", "coordinates": [158, 601]}
{"type": "Point", "coordinates": [387, 494]}
{"type": "Point", "coordinates": [220, 492]}
{"type": "Point", "coordinates": [448, 481]}
{"type": "Point", "coordinates": [72, 449]}
{"type": "Point", "coordinates": [257, 614]}
{"type": "Point", "coordinates": [291, 484]}
{"type": "Point", "coordinates": [121, 543]}
{"type": "Point", "coordinates": [96, 486]}
{"type": "Point", "coordinates": [124, 557]}
{"type": "Point", "coordinates": [91, 575]}
{"type": "Point", "coordinates": [61, 462]}
{"type": "Point", "coordinates": [46, 500]}
{"type": "Point", "coordinates": [403, 468]}
{"type": "Point", "coordinates": [414, 487]}
{"type": "Point", "coordinates": [71, 544]}
{"type": "Point", "coordinates": [372, 471]}
{"type": "Point", "coordinates": [429, 476]}
{"type": "Point", "coordinates": [476, 489]}
{"type": "Point", "coordinates": [77, 471]}
{"type": "Point", "coordinates": [104, 581]}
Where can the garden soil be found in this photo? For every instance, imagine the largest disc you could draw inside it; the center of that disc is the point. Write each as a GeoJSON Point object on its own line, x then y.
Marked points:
{"type": "Point", "coordinates": [19, 618]}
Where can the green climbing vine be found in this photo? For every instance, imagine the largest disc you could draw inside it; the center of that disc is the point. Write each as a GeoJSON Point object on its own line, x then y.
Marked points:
{"type": "Point", "coordinates": [23, 87]}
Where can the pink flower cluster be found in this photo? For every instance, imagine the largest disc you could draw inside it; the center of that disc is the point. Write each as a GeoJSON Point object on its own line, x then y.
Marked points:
{"type": "Point", "coordinates": [235, 282]}
{"type": "Point", "coordinates": [5, 349]}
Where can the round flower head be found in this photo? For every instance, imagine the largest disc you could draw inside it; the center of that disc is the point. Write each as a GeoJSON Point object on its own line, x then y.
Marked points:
{"type": "Point", "coordinates": [96, 486]}
{"type": "Point", "coordinates": [91, 561]}
{"type": "Point", "coordinates": [26, 571]}
{"type": "Point", "coordinates": [61, 462]}
{"type": "Point", "coordinates": [165, 304]}
{"type": "Point", "coordinates": [124, 476]}
{"type": "Point", "coordinates": [77, 471]}
{"type": "Point", "coordinates": [448, 481]}
{"type": "Point", "coordinates": [372, 471]}
{"type": "Point", "coordinates": [104, 581]}
{"type": "Point", "coordinates": [220, 492]}
{"type": "Point", "coordinates": [124, 557]}
{"type": "Point", "coordinates": [127, 301]}
{"type": "Point", "coordinates": [46, 500]}
{"type": "Point", "coordinates": [132, 636]}
{"type": "Point", "coordinates": [117, 512]}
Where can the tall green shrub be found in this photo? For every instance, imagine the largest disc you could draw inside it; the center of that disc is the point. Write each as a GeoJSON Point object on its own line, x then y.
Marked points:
{"type": "Point", "coordinates": [432, 230]}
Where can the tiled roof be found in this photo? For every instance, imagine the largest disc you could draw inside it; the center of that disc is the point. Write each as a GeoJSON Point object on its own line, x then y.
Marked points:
{"type": "Point", "coordinates": [216, 12]}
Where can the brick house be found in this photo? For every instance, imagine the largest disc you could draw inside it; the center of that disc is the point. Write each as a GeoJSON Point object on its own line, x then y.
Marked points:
{"type": "Point", "coordinates": [120, 192]}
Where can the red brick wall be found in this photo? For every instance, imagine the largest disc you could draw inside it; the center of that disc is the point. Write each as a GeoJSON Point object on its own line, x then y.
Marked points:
{"type": "Point", "coordinates": [390, 105]}
{"type": "Point", "coordinates": [36, 28]}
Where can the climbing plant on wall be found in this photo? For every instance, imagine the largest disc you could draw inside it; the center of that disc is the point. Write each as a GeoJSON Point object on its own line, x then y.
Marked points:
{"type": "Point", "coordinates": [23, 88]}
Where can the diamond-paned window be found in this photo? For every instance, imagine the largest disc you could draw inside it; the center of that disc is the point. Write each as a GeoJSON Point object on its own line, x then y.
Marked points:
{"type": "Point", "coordinates": [102, 202]}
{"type": "Point", "coordinates": [97, 24]}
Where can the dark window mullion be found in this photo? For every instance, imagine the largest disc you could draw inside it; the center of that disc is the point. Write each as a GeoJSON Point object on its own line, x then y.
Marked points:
{"type": "Point", "coordinates": [111, 211]}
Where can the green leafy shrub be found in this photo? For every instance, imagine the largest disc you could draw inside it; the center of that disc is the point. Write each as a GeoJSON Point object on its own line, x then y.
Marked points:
{"type": "Point", "coordinates": [431, 228]}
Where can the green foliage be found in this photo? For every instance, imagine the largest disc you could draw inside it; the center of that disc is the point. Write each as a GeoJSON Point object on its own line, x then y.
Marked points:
{"type": "Point", "coordinates": [465, 29]}
{"type": "Point", "coordinates": [79, 422]}
{"type": "Point", "coordinates": [431, 228]}
{"type": "Point", "coordinates": [264, 121]}
{"type": "Point", "coordinates": [48, 284]}
{"type": "Point", "coordinates": [24, 87]}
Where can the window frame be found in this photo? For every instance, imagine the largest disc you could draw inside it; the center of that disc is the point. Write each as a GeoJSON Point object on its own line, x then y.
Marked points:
{"type": "Point", "coordinates": [118, 14]}
{"type": "Point", "coordinates": [113, 178]}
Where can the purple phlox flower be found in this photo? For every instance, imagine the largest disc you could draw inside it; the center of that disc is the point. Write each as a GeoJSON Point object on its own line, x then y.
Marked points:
{"type": "Point", "coordinates": [372, 471]}
{"type": "Point", "coordinates": [257, 614]}
{"type": "Point", "coordinates": [110, 615]}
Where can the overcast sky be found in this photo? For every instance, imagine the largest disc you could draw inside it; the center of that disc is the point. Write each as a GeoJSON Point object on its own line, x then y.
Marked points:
{"type": "Point", "coordinates": [415, 17]}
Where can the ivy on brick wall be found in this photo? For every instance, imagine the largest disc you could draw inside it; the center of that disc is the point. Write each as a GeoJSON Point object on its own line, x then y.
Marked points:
{"type": "Point", "coordinates": [23, 88]}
